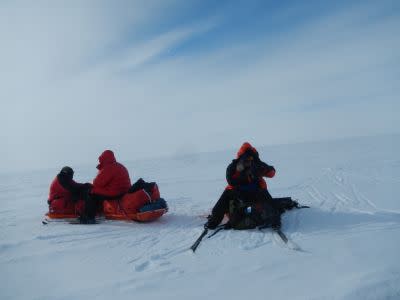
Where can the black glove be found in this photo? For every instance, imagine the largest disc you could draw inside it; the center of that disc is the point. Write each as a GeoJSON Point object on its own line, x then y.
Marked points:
{"type": "Point", "coordinates": [211, 223]}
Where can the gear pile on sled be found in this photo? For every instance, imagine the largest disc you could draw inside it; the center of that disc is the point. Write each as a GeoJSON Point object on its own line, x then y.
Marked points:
{"type": "Point", "coordinates": [143, 205]}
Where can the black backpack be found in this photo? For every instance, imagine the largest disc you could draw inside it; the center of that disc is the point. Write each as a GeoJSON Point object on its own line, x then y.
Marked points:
{"type": "Point", "coordinates": [248, 215]}
{"type": "Point", "coordinates": [141, 184]}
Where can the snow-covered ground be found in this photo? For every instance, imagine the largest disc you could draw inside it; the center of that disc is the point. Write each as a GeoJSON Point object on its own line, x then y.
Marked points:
{"type": "Point", "coordinates": [350, 237]}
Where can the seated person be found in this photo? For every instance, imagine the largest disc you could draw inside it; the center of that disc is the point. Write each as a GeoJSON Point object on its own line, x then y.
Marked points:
{"type": "Point", "coordinates": [65, 191]}
{"type": "Point", "coordinates": [112, 182]}
{"type": "Point", "coordinates": [246, 193]}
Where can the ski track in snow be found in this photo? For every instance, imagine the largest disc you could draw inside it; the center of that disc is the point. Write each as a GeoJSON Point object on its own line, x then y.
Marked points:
{"type": "Point", "coordinates": [353, 213]}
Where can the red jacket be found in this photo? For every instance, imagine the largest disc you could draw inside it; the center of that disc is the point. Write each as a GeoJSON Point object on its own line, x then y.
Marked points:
{"type": "Point", "coordinates": [236, 179]}
{"type": "Point", "coordinates": [113, 178]}
{"type": "Point", "coordinates": [57, 191]}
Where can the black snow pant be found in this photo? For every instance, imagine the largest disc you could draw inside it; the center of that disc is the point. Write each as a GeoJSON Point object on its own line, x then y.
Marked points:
{"type": "Point", "coordinates": [260, 196]}
{"type": "Point", "coordinates": [92, 202]}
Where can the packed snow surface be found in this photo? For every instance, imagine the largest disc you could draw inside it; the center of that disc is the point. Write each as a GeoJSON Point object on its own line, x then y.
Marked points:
{"type": "Point", "coordinates": [349, 239]}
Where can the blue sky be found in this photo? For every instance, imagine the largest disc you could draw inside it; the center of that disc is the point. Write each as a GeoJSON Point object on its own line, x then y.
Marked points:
{"type": "Point", "coordinates": [155, 78]}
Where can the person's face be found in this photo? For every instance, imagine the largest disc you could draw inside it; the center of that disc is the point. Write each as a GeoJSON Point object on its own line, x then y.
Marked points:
{"type": "Point", "coordinates": [247, 163]}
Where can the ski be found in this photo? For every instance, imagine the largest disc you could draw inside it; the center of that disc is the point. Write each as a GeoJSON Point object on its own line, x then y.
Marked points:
{"type": "Point", "coordinates": [72, 221]}
{"type": "Point", "coordinates": [78, 222]}
{"type": "Point", "coordinates": [276, 230]}
{"type": "Point", "coordinates": [302, 206]}
{"type": "Point", "coordinates": [281, 235]}
{"type": "Point", "coordinates": [47, 221]}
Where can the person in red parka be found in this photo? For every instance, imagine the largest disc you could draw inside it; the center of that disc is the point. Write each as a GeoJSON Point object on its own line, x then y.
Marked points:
{"type": "Point", "coordinates": [64, 191]}
{"type": "Point", "coordinates": [112, 181]}
{"type": "Point", "coordinates": [245, 183]}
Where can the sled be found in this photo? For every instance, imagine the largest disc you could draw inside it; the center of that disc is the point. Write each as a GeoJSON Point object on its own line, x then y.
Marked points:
{"type": "Point", "coordinates": [129, 207]}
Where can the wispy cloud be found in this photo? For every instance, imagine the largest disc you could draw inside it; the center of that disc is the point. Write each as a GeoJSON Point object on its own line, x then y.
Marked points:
{"type": "Point", "coordinates": [83, 77]}
{"type": "Point", "coordinates": [140, 53]}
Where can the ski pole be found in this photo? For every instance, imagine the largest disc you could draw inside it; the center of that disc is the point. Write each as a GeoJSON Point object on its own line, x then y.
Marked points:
{"type": "Point", "coordinates": [197, 242]}
{"type": "Point", "coordinates": [216, 231]}
{"type": "Point", "coordinates": [225, 226]}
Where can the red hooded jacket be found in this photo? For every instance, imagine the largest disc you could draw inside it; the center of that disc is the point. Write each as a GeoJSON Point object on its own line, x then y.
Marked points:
{"type": "Point", "coordinates": [236, 178]}
{"type": "Point", "coordinates": [113, 178]}
{"type": "Point", "coordinates": [57, 191]}
{"type": "Point", "coordinates": [65, 196]}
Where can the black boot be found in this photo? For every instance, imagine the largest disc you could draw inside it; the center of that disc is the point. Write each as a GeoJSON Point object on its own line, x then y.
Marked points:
{"type": "Point", "coordinates": [86, 220]}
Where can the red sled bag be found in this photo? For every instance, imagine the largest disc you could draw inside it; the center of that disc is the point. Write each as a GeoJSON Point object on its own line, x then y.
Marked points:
{"type": "Point", "coordinates": [128, 207]}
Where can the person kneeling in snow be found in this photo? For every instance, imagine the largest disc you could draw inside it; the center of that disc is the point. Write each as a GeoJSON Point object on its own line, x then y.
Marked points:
{"type": "Point", "coordinates": [246, 199]}
{"type": "Point", "coordinates": [112, 182]}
